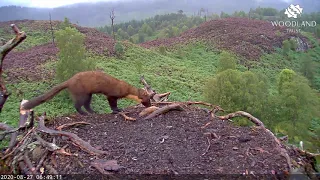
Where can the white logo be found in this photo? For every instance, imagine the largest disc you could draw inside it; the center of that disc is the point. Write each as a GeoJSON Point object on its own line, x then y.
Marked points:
{"type": "Point", "coordinates": [293, 11]}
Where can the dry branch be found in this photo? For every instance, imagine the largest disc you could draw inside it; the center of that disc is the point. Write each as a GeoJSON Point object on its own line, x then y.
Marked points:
{"type": "Point", "coordinates": [148, 110]}
{"type": "Point", "coordinates": [59, 128]}
{"type": "Point", "coordinates": [28, 162]}
{"type": "Point", "coordinates": [153, 94]}
{"type": "Point", "coordinates": [306, 153]}
{"type": "Point", "coordinates": [127, 118]}
{"type": "Point", "coordinates": [73, 137]}
{"type": "Point", "coordinates": [165, 109]}
{"type": "Point", "coordinates": [256, 121]}
{"type": "Point", "coordinates": [187, 103]}
{"type": "Point", "coordinates": [5, 127]}
{"type": "Point", "coordinates": [20, 145]}
{"type": "Point", "coordinates": [47, 145]}
{"type": "Point", "coordinates": [112, 17]}
{"type": "Point", "coordinates": [4, 50]}
{"type": "Point", "coordinates": [147, 87]}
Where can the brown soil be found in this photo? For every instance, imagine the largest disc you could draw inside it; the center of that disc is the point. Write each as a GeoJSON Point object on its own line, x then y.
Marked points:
{"type": "Point", "coordinates": [173, 143]}
{"type": "Point", "coordinates": [24, 64]}
{"type": "Point", "coordinates": [249, 38]}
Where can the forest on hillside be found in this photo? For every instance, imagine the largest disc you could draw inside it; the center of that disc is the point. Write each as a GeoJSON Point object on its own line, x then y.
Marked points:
{"type": "Point", "coordinates": [170, 25]}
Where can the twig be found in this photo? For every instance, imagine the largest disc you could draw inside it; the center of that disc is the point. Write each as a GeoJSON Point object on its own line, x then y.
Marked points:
{"type": "Point", "coordinates": [253, 119]}
{"type": "Point", "coordinates": [73, 137]}
{"type": "Point", "coordinates": [41, 160]}
{"type": "Point", "coordinates": [187, 103]}
{"type": "Point", "coordinates": [209, 145]}
{"type": "Point", "coordinates": [59, 128]}
{"type": "Point", "coordinates": [22, 140]}
{"type": "Point", "coordinates": [63, 152]}
{"type": "Point", "coordinates": [127, 118]}
{"type": "Point", "coordinates": [302, 152]}
{"type": "Point", "coordinates": [148, 110]}
{"type": "Point", "coordinates": [164, 110]}
{"type": "Point", "coordinates": [206, 125]}
{"type": "Point", "coordinates": [146, 85]}
{"type": "Point", "coordinates": [28, 162]}
{"type": "Point", "coordinates": [47, 145]}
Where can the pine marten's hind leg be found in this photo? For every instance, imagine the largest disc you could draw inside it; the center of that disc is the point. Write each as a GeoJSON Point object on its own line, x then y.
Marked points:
{"type": "Point", "coordinates": [114, 104]}
{"type": "Point", "coordinates": [87, 104]}
{"type": "Point", "coordinates": [79, 100]}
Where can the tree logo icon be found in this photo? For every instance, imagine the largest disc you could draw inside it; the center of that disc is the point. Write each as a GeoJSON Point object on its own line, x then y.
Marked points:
{"type": "Point", "coordinates": [293, 11]}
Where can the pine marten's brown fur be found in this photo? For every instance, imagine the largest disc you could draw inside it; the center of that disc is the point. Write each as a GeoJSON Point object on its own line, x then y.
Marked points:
{"type": "Point", "coordinates": [82, 85]}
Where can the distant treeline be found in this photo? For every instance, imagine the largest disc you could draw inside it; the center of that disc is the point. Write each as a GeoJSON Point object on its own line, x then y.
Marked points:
{"type": "Point", "coordinates": [170, 25]}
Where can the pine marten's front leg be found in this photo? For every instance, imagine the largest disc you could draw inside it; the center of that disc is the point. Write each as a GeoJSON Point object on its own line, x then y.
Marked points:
{"type": "Point", "coordinates": [113, 102]}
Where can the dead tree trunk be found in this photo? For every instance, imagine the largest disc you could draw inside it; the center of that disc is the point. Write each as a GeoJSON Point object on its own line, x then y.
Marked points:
{"type": "Point", "coordinates": [4, 50]}
{"type": "Point", "coordinates": [51, 28]}
{"type": "Point", "coordinates": [112, 16]}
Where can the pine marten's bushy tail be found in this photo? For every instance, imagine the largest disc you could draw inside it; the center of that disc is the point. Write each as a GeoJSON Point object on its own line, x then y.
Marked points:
{"type": "Point", "coordinates": [44, 97]}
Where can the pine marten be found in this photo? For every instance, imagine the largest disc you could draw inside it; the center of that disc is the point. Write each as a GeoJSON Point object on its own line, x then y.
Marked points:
{"type": "Point", "coordinates": [82, 85]}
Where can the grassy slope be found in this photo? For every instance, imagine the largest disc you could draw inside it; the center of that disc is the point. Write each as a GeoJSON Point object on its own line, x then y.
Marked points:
{"type": "Point", "coordinates": [181, 73]}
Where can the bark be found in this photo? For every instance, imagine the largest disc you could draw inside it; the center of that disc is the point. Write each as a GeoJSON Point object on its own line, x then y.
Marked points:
{"type": "Point", "coordinates": [164, 109]}
{"type": "Point", "coordinates": [72, 124]}
{"type": "Point", "coordinates": [4, 50]}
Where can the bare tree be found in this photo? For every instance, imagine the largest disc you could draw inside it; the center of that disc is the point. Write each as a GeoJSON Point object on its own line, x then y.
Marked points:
{"type": "Point", "coordinates": [112, 16]}
{"type": "Point", "coordinates": [202, 10]}
{"type": "Point", "coordinates": [51, 28]}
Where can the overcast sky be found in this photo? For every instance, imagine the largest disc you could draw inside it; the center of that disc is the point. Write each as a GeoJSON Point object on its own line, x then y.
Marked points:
{"type": "Point", "coordinates": [57, 3]}
{"type": "Point", "coordinates": [46, 3]}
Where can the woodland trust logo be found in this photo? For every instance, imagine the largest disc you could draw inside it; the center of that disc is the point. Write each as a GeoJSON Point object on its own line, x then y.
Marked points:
{"type": "Point", "coordinates": [294, 25]}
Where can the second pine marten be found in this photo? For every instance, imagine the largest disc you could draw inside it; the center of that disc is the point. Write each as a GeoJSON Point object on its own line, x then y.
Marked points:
{"type": "Point", "coordinates": [82, 85]}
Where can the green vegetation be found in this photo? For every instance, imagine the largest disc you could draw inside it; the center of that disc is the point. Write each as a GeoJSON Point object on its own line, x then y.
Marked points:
{"type": "Point", "coordinates": [226, 61]}
{"type": "Point", "coordinates": [281, 89]}
{"type": "Point", "coordinates": [34, 38]}
{"type": "Point", "coordinates": [181, 76]}
{"type": "Point", "coordinates": [159, 26]}
{"type": "Point", "coordinates": [71, 54]}
{"type": "Point", "coordinates": [119, 49]}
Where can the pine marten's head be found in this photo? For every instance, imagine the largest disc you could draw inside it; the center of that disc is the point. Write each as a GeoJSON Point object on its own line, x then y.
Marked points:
{"type": "Point", "coordinates": [145, 97]}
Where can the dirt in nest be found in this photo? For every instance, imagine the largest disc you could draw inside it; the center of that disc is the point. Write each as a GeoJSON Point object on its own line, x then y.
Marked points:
{"type": "Point", "coordinates": [172, 143]}
{"type": "Point", "coordinates": [248, 38]}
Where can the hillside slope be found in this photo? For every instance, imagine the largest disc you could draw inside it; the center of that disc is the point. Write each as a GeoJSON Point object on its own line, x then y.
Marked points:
{"type": "Point", "coordinates": [248, 38]}
{"type": "Point", "coordinates": [37, 48]}
{"type": "Point", "coordinates": [96, 14]}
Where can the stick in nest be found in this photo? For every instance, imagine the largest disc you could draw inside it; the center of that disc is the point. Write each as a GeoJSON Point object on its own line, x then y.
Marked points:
{"type": "Point", "coordinates": [148, 110]}
{"type": "Point", "coordinates": [165, 109]}
{"type": "Point", "coordinates": [59, 128]}
{"type": "Point", "coordinates": [127, 118]}
{"type": "Point", "coordinates": [73, 137]}
{"type": "Point", "coordinates": [209, 145]}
